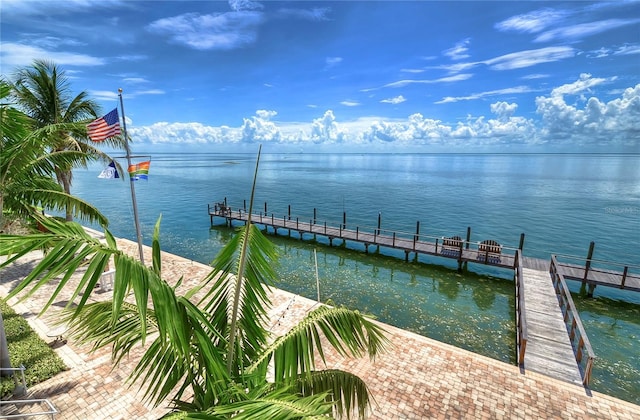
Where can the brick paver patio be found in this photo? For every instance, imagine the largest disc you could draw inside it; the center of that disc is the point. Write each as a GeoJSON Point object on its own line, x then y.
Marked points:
{"type": "Point", "coordinates": [418, 378]}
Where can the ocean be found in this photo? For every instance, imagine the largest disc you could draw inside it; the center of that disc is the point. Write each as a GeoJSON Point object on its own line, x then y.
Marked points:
{"type": "Point", "coordinates": [561, 202]}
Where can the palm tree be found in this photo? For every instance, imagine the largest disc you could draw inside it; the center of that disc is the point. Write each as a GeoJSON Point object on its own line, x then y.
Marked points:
{"type": "Point", "coordinates": [211, 351]}
{"type": "Point", "coordinates": [27, 170]}
{"type": "Point", "coordinates": [43, 93]}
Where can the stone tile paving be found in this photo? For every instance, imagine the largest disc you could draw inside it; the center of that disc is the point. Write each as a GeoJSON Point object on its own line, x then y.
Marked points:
{"type": "Point", "coordinates": [418, 378]}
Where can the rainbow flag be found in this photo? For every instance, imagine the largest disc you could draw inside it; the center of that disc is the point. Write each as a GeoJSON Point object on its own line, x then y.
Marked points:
{"type": "Point", "coordinates": [139, 171]}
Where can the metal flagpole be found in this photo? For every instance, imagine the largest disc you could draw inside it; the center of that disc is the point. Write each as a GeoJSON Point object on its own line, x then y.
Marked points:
{"type": "Point", "coordinates": [131, 181]}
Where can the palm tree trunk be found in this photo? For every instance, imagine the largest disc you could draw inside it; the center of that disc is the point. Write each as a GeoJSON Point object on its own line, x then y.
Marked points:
{"type": "Point", "coordinates": [64, 178]}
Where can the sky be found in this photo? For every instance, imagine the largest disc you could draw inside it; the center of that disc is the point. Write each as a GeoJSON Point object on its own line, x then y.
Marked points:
{"type": "Point", "coordinates": [346, 76]}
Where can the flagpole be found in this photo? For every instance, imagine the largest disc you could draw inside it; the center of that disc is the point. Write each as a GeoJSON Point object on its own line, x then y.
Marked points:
{"type": "Point", "coordinates": [131, 181]}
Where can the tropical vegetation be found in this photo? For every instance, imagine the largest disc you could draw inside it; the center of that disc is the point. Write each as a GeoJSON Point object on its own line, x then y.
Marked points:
{"type": "Point", "coordinates": [28, 166]}
{"type": "Point", "coordinates": [26, 348]}
{"type": "Point", "coordinates": [209, 350]}
{"type": "Point", "coordinates": [42, 91]}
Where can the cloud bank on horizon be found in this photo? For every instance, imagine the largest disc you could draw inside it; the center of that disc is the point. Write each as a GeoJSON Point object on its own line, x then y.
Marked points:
{"type": "Point", "coordinates": [343, 76]}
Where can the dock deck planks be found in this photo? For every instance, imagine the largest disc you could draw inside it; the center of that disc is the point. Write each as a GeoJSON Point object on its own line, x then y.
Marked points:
{"type": "Point", "coordinates": [549, 350]}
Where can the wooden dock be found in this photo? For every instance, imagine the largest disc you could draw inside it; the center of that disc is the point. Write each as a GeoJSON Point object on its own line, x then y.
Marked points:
{"type": "Point", "coordinates": [548, 347]}
{"type": "Point", "coordinates": [551, 339]}
{"type": "Point", "coordinates": [464, 251]}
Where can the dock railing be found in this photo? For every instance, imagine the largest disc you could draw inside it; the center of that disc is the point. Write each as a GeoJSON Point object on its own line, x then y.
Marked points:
{"type": "Point", "coordinates": [592, 270]}
{"type": "Point", "coordinates": [521, 321]}
{"type": "Point", "coordinates": [415, 241]}
{"type": "Point", "coordinates": [577, 335]}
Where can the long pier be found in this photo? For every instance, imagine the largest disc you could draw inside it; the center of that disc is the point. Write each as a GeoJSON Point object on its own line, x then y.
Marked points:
{"type": "Point", "coordinates": [550, 337]}
{"type": "Point", "coordinates": [464, 251]}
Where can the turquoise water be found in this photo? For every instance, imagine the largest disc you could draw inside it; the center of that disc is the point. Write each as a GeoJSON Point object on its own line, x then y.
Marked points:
{"type": "Point", "coordinates": [560, 202]}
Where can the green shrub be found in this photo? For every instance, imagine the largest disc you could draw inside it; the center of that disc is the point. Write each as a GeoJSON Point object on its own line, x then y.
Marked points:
{"type": "Point", "coordinates": [28, 349]}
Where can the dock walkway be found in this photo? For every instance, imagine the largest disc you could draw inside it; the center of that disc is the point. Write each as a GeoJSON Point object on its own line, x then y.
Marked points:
{"type": "Point", "coordinates": [549, 350]}
{"type": "Point", "coordinates": [417, 243]}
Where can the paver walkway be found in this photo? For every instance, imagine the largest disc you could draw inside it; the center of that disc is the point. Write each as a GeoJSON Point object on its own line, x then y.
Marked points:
{"type": "Point", "coordinates": [418, 378]}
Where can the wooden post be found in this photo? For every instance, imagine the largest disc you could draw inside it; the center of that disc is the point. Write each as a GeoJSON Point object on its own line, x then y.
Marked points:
{"type": "Point", "coordinates": [418, 230]}
{"type": "Point", "coordinates": [265, 207]}
{"type": "Point", "coordinates": [244, 205]}
{"type": "Point", "coordinates": [314, 215]}
{"type": "Point", "coordinates": [468, 236]}
{"type": "Point", "coordinates": [624, 276]}
{"type": "Point", "coordinates": [521, 246]}
{"type": "Point", "coordinates": [225, 201]}
{"type": "Point", "coordinates": [289, 211]}
{"type": "Point", "coordinates": [379, 221]}
{"type": "Point", "coordinates": [344, 219]}
{"type": "Point", "coordinates": [357, 232]}
{"type": "Point", "coordinates": [588, 263]}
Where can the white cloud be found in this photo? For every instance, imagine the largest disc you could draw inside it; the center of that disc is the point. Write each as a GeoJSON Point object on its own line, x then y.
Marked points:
{"type": "Point", "coordinates": [459, 51]}
{"type": "Point", "coordinates": [584, 30]}
{"type": "Point", "coordinates": [332, 61]}
{"type": "Point", "coordinates": [18, 55]}
{"type": "Point", "coordinates": [628, 49]}
{"type": "Point", "coordinates": [314, 14]}
{"type": "Point", "coordinates": [412, 70]}
{"type": "Point", "coordinates": [592, 122]}
{"type": "Point", "coordinates": [221, 31]}
{"type": "Point", "coordinates": [448, 79]}
{"type": "Point", "coordinates": [239, 5]}
{"type": "Point", "coordinates": [458, 67]}
{"type": "Point", "coordinates": [325, 129]}
{"type": "Point", "coordinates": [532, 22]}
{"type": "Point", "coordinates": [528, 58]}
{"type": "Point", "coordinates": [504, 110]}
{"type": "Point", "coordinates": [395, 100]}
{"type": "Point", "coordinates": [602, 123]}
{"type": "Point", "coordinates": [474, 96]}
{"type": "Point", "coordinates": [585, 82]}
{"type": "Point", "coordinates": [135, 80]}
{"type": "Point", "coordinates": [350, 103]}
{"type": "Point", "coordinates": [184, 133]}
{"type": "Point", "coordinates": [259, 128]}
{"type": "Point", "coordinates": [535, 76]}
{"type": "Point", "coordinates": [104, 95]}
{"type": "Point", "coordinates": [52, 8]}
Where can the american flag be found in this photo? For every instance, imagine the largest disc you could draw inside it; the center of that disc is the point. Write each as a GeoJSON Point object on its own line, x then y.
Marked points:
{"type": "Point", "coordinates": [104, 127]}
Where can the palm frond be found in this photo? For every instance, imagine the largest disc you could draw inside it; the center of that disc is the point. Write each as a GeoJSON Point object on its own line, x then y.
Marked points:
{"type": "Point", "coordinates": [347, 392]}
{"type": "Point", "coordinates": [277, 404]}
{"type": "Point", "coordinates": [253, 302]}
{"type": "Point", "coordinates": [68, 248]}
{"type": "Point", "coordinates": [348, 332]}
{"type": "Point", "coordinates": [95, 326]}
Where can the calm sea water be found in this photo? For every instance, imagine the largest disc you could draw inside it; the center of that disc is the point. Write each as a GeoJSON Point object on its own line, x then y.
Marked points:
{"type": "Point", "coordinates": [560, 202]}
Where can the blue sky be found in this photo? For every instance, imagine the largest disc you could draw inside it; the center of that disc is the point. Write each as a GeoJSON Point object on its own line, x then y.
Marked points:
{"type": "Point", "coordinates": [452, 76]}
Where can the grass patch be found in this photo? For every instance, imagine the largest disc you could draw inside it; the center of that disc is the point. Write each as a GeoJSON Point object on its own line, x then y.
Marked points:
{"type": "Point", "coordinates": [28, 349]}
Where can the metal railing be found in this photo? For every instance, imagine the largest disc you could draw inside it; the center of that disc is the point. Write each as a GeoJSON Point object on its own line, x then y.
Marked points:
{"type": "Point", "coordinates": [577, 335]}
{"type": "Point", "coordinates": [48, 409]}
